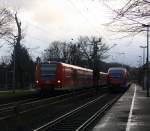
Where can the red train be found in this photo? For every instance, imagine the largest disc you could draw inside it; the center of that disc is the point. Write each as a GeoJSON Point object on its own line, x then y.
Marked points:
{"type": "Point", "coordinates": [61, 76]}
{"type": "Point", "coordinates": [117, 77]}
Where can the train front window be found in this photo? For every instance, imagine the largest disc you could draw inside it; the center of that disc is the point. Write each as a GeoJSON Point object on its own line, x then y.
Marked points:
{"type": "Point", "coordinates": [116, 73]}
{"type": "Point", "coordinates": [48, 71]}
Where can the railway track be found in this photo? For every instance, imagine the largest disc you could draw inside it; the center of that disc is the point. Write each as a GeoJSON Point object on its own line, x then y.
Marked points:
{"type": "Point", "coordinates": [81, 117]}
{"type": "Point", "coordinates": [10, 108]}
{"type": "Point", "coordinates": [17, 108]}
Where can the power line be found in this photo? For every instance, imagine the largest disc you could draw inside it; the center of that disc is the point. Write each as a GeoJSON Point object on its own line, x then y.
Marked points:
{"type": "Point", "coordinates": [38, 39]}
{"type": "Point", "coordinates": [87, 9]}
{"type": "Point", "coordinates": [79, 11]}
{"type": "Point", "coordinates": [39, 28]}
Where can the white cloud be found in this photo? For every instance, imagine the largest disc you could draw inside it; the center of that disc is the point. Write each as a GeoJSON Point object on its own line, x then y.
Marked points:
{"type": "Point", "coordinates": [50, 20]}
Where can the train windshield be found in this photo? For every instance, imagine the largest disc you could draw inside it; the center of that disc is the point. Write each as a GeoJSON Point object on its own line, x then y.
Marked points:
{"type": "Point", "coordinates": [48, 71]}
{"type": "Point", "coordinates": [116, 73]}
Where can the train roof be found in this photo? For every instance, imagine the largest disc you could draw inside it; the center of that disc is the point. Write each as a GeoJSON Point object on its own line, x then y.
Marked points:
{"type": "Point", "coordinates": [103, 73]}
{"type": "Point", "coordinates": [76, 67]}
{"type": "Point", "coordinates": [69, 65]}
{"type": "Point", "coordinates": [117, 68]}
{"type": "Point", "coordinates": [72, 66]}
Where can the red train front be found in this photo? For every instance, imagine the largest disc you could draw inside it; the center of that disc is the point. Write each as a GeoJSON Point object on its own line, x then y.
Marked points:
{"type": "Point", "coordinates": [117, 77]}
{"type": "Point", "coordinates": [46, 75]}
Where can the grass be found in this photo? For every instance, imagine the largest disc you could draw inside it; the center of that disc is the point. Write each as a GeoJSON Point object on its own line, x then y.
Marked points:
{"type": "Point", "coordinates": [17, 93]}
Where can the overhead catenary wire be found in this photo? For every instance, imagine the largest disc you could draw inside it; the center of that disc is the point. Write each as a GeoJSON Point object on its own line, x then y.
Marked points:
{"type": "Point", "coordinates": [78, 11]}
{"type": "Point", "coordinates": [84, 16]}
{"type": "Point", "coordinates": [38, 39]}
{"type": "Point", "coordinates": [39, 28]}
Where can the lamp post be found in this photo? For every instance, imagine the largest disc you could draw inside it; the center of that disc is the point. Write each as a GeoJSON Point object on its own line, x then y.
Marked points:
{"type": "Point", "coordinates": [139, 68]}
{"type": "Point", "coordinates": [143, 47]}
{"type": "Point", "coordinates": [147, 58]}
{"type": "Point", "coordinates": [144, 80]}
{"type": "Point", "coordinates": [140, 57]}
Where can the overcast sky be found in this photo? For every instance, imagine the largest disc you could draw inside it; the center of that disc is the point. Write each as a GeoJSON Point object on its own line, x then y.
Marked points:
{"type": "Point", "coordinates": [49, 20]}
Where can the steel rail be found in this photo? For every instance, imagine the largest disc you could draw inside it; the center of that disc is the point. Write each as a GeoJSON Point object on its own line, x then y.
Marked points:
{"type": "Point", "coordinates": [15, 102]}
{"type": "Point", "coordinates": [99, 113]}
{"type": "Point", "coordinates": [20, 108]}
{"type": "Point", "coordinates": [10, 108]}
{"type": "Point", "coordinates": [55, 121]}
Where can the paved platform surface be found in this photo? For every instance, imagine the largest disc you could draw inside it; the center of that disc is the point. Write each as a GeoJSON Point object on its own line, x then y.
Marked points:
{"type": "Point", "coordinates": [130, 113]}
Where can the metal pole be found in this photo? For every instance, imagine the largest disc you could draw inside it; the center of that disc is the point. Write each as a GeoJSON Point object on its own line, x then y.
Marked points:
{"type": "Point", "coordinates": [6, 78]}
{"type": "Point", "coordinates": [14, 70]}
{"type": "Point", "coordinates": [143, 56]}
{"type": "Point", "coordinates": [144, 79]}
{"type": "Point", "coordinates": [140, 61]}
{"type": "Point", "coordinates": [124, 62]}
{"type": "Point", "coordinates": [147, 60]}
{"type": "Point", "coordinates": [144, 86]}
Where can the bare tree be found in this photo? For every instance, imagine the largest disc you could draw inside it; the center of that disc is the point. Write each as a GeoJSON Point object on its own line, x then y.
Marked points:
{"type": "Point", "coordinates": [56, 51]}
{"type": "Point", "coordinates": [21, 61]}
{"type": "Point", "coordinates": [6, 20]}
{"type": "Point", "coordinates": [131, 16]}
{"type": "Point", "coordinates": [5, 60]}
{"type": "Point", "coordinates": [14, 38]}
{"type": "Point", "coordinates": [65, 52]}
{"type": "Point", "coordinates": [78, 53]}
{"type": "Point", "coordinates": [86, 45]}
{"type": "Point", "coordinates": [62, 51]}
{"type": "Point", "coordinates": [75, 54]}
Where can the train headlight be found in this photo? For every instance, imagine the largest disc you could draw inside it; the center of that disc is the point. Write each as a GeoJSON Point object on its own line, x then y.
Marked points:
{"type": "Point", "coordinates": [37, 81]}
{"type": "Point", "coordinates": [58, 81]}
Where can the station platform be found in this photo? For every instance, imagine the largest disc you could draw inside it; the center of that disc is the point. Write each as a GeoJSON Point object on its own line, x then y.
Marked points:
{"type": "Point", "coordinates": [130, 113]}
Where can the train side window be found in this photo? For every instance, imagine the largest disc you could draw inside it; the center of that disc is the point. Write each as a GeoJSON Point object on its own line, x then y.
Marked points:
{"type": "Point", "coordinates": [68, 75]}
